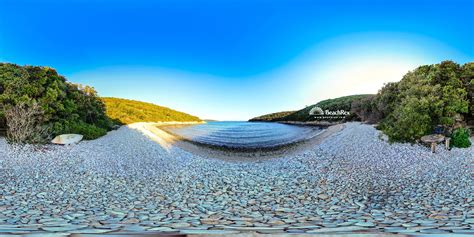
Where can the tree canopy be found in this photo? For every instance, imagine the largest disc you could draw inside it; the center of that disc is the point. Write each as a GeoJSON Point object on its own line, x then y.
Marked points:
{"type": "Point", "coordinates": [65, 107]}
{"type": "Point", "coordinates": [132, 111]}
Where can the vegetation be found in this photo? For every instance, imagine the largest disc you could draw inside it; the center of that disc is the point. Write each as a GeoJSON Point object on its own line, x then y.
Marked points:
{"type": "Point", "coordinates": [341, 103]}
{"type": "Point", "coordinates": [272, 117]}
{"type": "Point", "coordinates": [55, 104]}
{"type": "Point", "coordinates": [24, 123]}
{"type": "Point", "coordinates": [429, 96]}
{"type": "Point", "coordinates": [467, 78]}
{"type": "Point", "coordinates": [131, 111]}
{"type": "Point", "coordinates": [36, 104]}
{"type": "Point", "coordinates": [460, 138]}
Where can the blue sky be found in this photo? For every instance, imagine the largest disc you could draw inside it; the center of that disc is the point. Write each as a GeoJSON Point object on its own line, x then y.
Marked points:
{"type": "Point", "coordinates": [233, 60]}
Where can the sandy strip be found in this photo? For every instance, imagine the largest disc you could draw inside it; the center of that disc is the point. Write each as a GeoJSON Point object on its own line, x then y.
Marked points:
{"type": "Point", "coordinates": [167, 141]}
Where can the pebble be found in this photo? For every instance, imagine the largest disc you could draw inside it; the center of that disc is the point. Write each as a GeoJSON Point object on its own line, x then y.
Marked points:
{"type": "Point", "coordinates": [352, 181]}
{"type": "Point", "coordinates": [336, 229]}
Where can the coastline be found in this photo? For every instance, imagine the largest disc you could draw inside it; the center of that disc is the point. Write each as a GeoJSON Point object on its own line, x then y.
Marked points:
{"type": "Point", "coordinates": [151, 130]}
{"type": "Point", "coordinates": [322, 124]}
{"type": "Point", "coordinates": [167, 139]}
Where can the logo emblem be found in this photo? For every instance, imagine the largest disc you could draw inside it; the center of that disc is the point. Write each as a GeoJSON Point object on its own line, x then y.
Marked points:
{"type": "Point", "coordinates": [316, 111]}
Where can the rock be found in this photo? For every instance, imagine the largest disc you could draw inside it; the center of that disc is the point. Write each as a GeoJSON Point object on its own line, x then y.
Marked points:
{"type": "Point", "coordinates": [434, 231]}
{"type": "Point", "coordinates": [352, 180]}
{"type": "Point", "coordinates": [409, 224]}
{"type": "Point", "coordinates": [208, 232]}
{"type": "Point", "coordinates": [210, 221]}
{"type": "Point", "coordinates": [305, 227]}
{"type": "Point", "coordinates": [469, 221]}
{"type": "Point", "coordinates": [130, 221]}
{"type": "Point", "coordinates": [63, 228]}
{"type": "Point", "coordinates": [179, 225]}
{"type": "Point", "coordinates": [365, 224]}
{"type": "Point", "coordinates": [276, 222]}
{"type": "Point", "coordinates": [256, 229]}
{"type": "Point", "coordinates": [323, 196]}
{"type": "Point", "coordinates": [90, 231]}
{"type": "Point", "coordinates": [337, 229]}
{"type": "Point", "coordinates": [163, 229]}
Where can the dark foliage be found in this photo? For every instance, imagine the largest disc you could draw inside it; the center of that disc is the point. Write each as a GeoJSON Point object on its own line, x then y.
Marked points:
{"type": "Point", "coordinates": [66, 107]}
{"type": "Point", "coordinates": [272, 117]}
{"type": "Point", "coordinates": [429, 96]}
{"type": "Point", "coordinates": [341, 103]}
{"type": "Point", "coordinates": [460, 138]}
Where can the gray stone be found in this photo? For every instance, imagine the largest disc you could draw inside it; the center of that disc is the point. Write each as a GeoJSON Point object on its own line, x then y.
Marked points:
{"type": "Point", "coordinates": [337, 229]}
{"type": "Point", "coordinates": [365, 224]}
{"type": "Point", "coordinates": [209, 232]}
{"type": "Point", "coordinates": [63, 228]}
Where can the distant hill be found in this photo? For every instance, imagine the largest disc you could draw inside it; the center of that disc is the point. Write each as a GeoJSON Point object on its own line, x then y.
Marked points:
{"type": "Point", "coordinates": [131, 111]}
{"type": "Point", "coordinates": [341, 103]}
{"type": "Point", "coordinates": [271, 117]}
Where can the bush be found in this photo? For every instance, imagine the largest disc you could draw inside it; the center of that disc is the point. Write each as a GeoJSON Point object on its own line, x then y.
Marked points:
{"type": "Point", "coordinates": [409, 121]}
{"type": "Point", "coordinates": [365, 109]}
{"type": "Point", "coordinates": [65, 107]}
{"type": "Point", "coordinates": [88, 130]}
{"type": "Point", "coordinates": [429, 96]}
{"type": "Point", "coordinates": [467, 77]}
{"type": "Point", "coordinates": [460, 138]}
{"type": "Point", "coordinates": [24, 123]}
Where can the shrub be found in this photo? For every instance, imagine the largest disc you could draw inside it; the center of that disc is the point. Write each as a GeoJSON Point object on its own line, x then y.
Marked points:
{"type": "Point", "coordinates": [89, 131]}
{"type": "Point", "coordinates": [467, 77]}
{"type": "Point", "coordinates": [62, 104]}
{"type": "Point", "coordinates": [429, 96]}
{"type": "Point", "coordinates": [409, 121]}
{"type": "Point", "coordinates": [365, 109]}
{"type": "Point", "coordinates": [24, 124]}
{"type": "Point", "coordinates": [460, 138]}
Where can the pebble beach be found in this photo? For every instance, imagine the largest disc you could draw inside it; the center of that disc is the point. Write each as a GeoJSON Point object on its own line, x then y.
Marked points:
{"type": "Point", "coordinates": [125, 182]}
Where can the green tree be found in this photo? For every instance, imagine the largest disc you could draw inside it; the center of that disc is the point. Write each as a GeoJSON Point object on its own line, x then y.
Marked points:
{"type": "Point", "coordinates": [467, 78]}
{"type": "Point", "coordinates": [65, 107]}
{"type": "Point", "coordinates": [429, 96]}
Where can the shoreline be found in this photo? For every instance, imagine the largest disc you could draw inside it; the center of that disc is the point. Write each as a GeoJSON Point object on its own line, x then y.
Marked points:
{"type": "Point", "coordinates": [169, 139]}
{"type": "Point", "coordinates": [322, 124]}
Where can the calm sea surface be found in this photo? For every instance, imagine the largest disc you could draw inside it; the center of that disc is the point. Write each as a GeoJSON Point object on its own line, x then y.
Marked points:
{"type": "Point", "coordinates": [244, 134]}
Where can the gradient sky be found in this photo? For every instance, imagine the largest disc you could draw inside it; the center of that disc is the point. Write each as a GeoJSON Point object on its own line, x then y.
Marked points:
{"type": "Point", "coordinates": [232, 60]}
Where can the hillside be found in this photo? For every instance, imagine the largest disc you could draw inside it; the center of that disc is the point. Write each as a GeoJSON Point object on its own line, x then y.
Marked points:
{"type": "Point", "coordinates": [341, 103]}
{"type": "Point", "coordinates": [130, 111]}
{"type": "Point", "coordinates": [272, 117]}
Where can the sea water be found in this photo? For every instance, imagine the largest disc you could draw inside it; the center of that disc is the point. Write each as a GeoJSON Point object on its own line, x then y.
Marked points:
{"type": "Point", "coordinates": [235, 134]}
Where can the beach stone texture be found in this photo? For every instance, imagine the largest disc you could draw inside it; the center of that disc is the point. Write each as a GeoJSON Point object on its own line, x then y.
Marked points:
{"type": "Point", "coordinates": [352, 182]}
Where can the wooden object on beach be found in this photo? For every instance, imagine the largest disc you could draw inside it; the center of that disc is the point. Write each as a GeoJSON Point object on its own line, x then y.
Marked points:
{"type": "Point", "coordinates": [66, 139]}
{"type": "Point", "coordinates": [433, 140]}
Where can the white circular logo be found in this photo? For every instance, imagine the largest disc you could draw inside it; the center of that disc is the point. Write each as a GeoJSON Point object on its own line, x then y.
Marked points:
{"type": "Point", "coordinates": [316, 111]}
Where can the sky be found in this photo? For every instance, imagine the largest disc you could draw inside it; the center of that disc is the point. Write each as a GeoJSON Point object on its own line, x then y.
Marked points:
{"type": "Point", "coordinates": [233, 60]}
